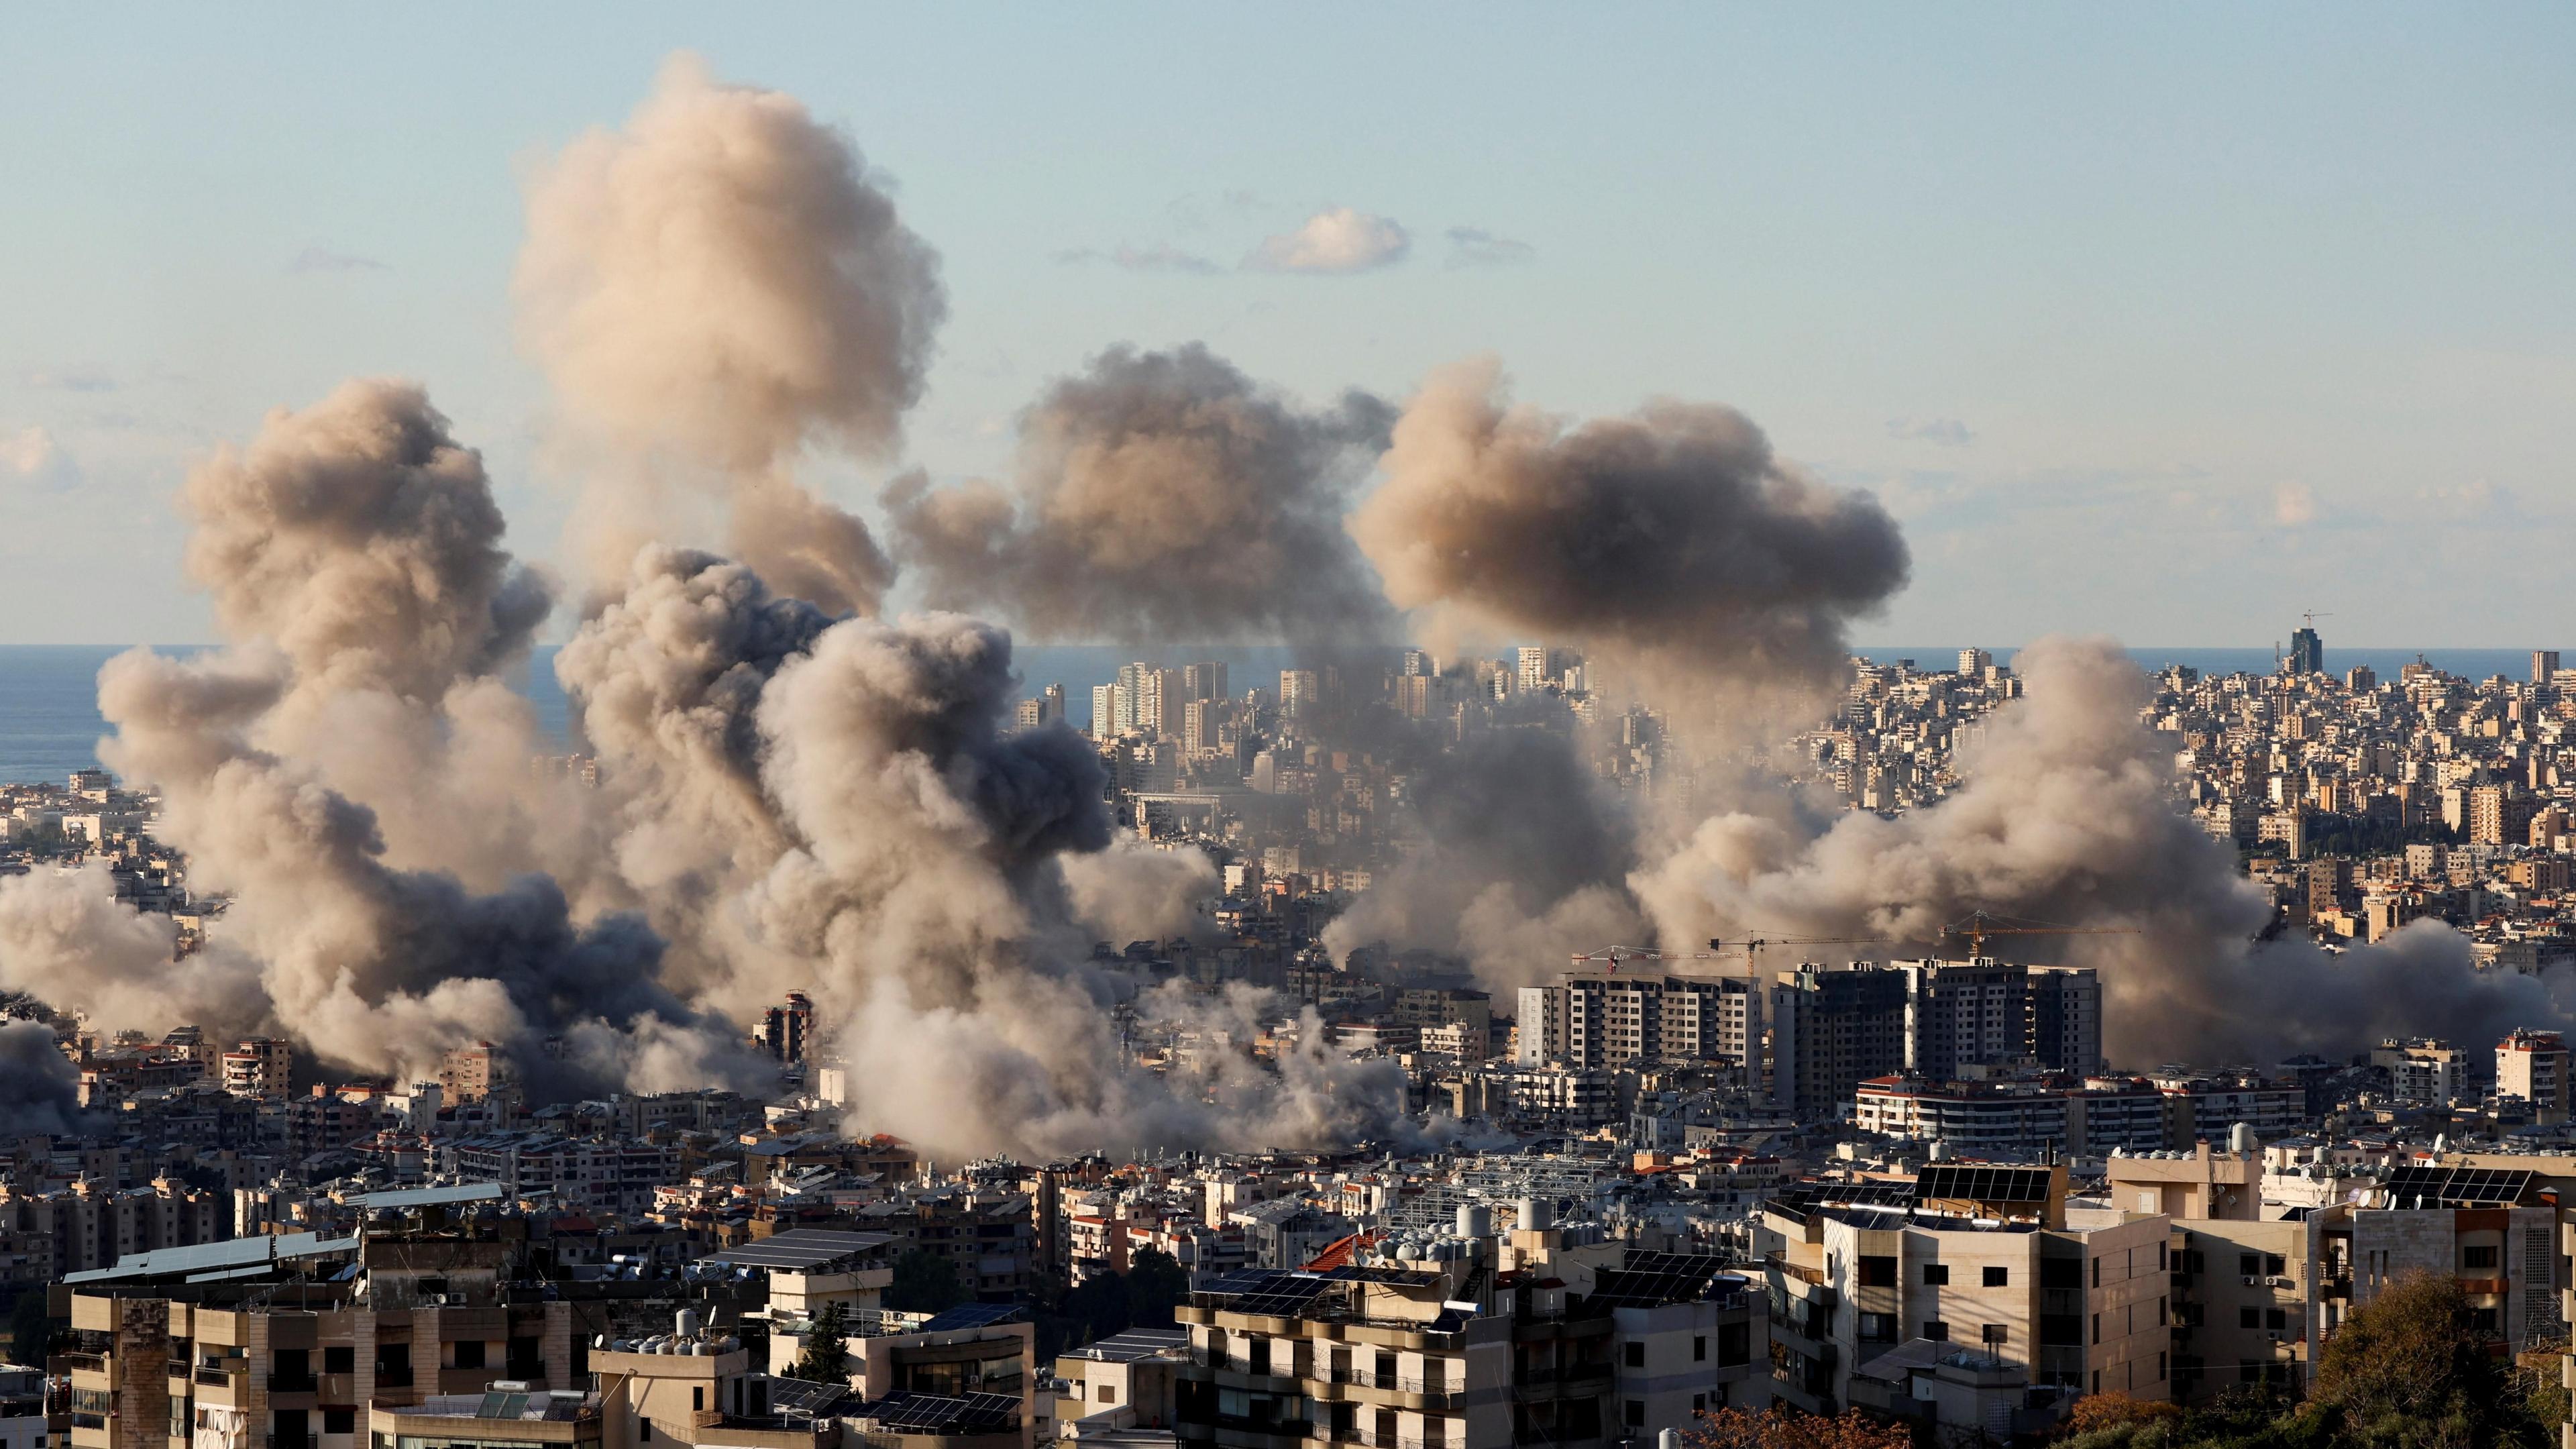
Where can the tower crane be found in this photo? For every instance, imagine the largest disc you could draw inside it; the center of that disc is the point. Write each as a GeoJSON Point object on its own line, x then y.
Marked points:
{"type": "Point", "coordinates": [1978, 925]}
{"type": "Point", "coordinates": [1748, 949]}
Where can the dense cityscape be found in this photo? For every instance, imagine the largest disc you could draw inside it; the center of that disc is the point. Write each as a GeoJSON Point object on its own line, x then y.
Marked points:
{"type": "Point", "coordinates": [630, 906]}
{"type": "Point", "coordinates": [1687, 1168]}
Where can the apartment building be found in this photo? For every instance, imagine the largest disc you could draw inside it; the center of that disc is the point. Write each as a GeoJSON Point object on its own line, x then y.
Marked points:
{"type": "Point", "coordinates": [1833, 1028]}
{"type": "Point", "coordinates": [1966, 1298]}
{"type": "Point", "coordinates": [2532, 1065]}
{"type": "Point", "coordinates": [1608, 1020]}
{"type": "Point", "coordinates": [2016, 1117]}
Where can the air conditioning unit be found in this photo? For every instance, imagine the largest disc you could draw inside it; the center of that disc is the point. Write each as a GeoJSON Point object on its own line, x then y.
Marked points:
{"type": "Point", "coordinates": [2276, 1335]}
{"type": "Point", "coordinates": [2278, 1281]}
{"type": "Point", "coordinates": [2251, 1280]}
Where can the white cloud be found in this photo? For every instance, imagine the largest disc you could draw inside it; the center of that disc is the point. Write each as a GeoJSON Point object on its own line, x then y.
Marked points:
{"type": "Point", "coordinates": [324, 259]}
{"type": "Point", "coordinates": [1948, 432]}
{"type": "Point", "coordinates": [33, 457]}
{"type": "Point", "coordinates": [2294, 505]}
{"type": "Point", "coordinates": [1471, 246]}
{"type": "Point", "coordinates": [1341, 240]}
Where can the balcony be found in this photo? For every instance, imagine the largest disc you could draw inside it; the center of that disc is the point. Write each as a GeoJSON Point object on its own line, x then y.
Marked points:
{"type": "Point", "coordinates": [92, 1363]}
{"type": "Point", "coordinates": [290, 1381]}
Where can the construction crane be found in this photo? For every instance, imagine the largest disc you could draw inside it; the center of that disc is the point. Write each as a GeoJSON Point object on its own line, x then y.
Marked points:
{"type": "Point", "coordinates": [1611, 956]}
{"type": "Point", "coordinates": [1978, 925]}
{"type": "Point", "coordinates": [1751, 946]}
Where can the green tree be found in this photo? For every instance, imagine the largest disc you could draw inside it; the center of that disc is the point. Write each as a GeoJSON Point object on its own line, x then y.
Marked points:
{"type": "Point", "coordinates": [924, 1282]}
{"type": "Point", "coordinates": [2405, 1372]}
{"type": "Point", "coordinates": [826, 1348]}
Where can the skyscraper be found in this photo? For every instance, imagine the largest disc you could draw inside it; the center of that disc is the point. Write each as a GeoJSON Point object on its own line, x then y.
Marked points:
{"type": "Point", "coordinates": [2307, 652]}
{"type": "Point", "coordinates": [1532, 675]}
{"type": "Point", "coordinates": [1106, 706]}
{"type": "Point", "coordinates": [2544, 665]}
{"type": "Point", "coordinates": [1973, 662]}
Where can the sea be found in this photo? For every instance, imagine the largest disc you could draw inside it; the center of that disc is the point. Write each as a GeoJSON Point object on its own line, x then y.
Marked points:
{"type": "Point", "coordinates": [50, 725]}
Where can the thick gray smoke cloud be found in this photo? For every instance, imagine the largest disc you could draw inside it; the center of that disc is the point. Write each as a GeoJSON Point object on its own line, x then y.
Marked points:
{"type": "Point", "coordinates": [1162, 496]}
{"type": "Point", "coordinates": [2067, 816]}
{"type": "Point", "coordinates": [360, 539]}
{"type": "Point", "coordinates": [837, 807]}
{"type": "Point", "coordinates": [39, 1086]}
{"type": "Point", "coordinates": [710, 290]}
{"type": "Point", "coordinates": [1525, 857]}
{"type": "Point", "coordinates": [1671, 545]}
{"type": "Point", "coordinates": [67, 940]}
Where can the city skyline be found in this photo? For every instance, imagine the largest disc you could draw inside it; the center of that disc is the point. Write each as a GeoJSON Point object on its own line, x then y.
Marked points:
{"type": "Point", "coordinates": [2232, 335]}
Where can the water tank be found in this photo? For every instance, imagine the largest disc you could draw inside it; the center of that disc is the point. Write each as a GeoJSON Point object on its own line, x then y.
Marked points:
{"type": "Point", "coordinates": [2240, 1139]}
{"type": "Point", "coordinates": [1475, 1220]}
{"type": "Point", "coordinates": [1536, 1213]}
{"type": "Point", "coordinates": [1938, 1151]}
{"type": "Point", "coordinates": [685, 1324]}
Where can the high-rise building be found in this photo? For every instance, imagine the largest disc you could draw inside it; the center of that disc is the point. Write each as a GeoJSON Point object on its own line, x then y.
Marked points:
{"type": "Point", "coordinates": [1298, 692]}
{"type": "Point", "coordinates": [258, 1067]}
{"type": "Point", "coordinates": [2307, 652]}
{"type": "Point", "coordinates": [1532, 674]}
{"type": "Point", "coordinates": [1964, 1013]}
{"type": "Point", "coordinates": [1043, 708]}
{"type": "Point", "coordinates": [1605, 1021]}
{"type": "Point", "coordinates": [1106, 706]}
{"type": "Point", "coordinates": [2499, 815]}
{"type": "Point", "coordinates": [2066, 1019]}
{"type": "Point", "coordinates": [787, 1030]}
{"type": "Point", "coordinates": [2544, 666]}
{"type": "Point", "coordinates": [1204, 680]}
{"type": "Point", "coordinates": [1974, 662]}
{"type": "Point", "coordinates": [1831, 1029]}
{"type": "Point", "coordinates": [2532, 1065]}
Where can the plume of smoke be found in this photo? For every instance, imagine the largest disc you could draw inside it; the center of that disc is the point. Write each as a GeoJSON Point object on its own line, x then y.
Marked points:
{"type": "Point", "coordinates": [709, 290]}
{"type": "Point", "coordinates": [1161, 495]}
{"type": "Point", "coordinates": [362, 540]}
{"type": "Point", "coordinates": [2066, 815]}
{"type": "Point", "coordinates": [356, 546]}
{"type": "Point", "coordinates": [39, 1086]}
{"type": "Point", "coordinates": [381, 969]}
{"type": "Point", "coordinates": [1671, 544]}
{"type": "Point", "coordinates": [65, 938]}
{"type": "Point", "coordinates": [1134, 891]}
{"type": "Point", "coordinates": [1524, 850]}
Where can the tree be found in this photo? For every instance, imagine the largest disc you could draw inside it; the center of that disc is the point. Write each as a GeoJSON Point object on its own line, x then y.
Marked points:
{"type": "Point", "coordinates": [924, 1282]}
{"type": "Point", "coordinates": [2095, 1412]}
{"type": "Point", "coordinates": [1782, 1427]}
{"type": "Point", "coordinates": [826, 1348]}
{"type": "Point", "coordinates": [2406, 1372]}
{"type": "Point", "coordinates": [1156, 1284]}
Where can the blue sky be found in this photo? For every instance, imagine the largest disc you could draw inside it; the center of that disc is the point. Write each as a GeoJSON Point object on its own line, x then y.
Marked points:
{"type": "Point", "coordinates": [2166, 322]}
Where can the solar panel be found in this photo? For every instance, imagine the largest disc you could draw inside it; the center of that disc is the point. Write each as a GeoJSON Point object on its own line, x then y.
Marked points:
{"type": "Point", "coordinates": [431, 1196]}
{"type": "Point", "coordinates": [1285, 1296]}
{"type": "Point", "coordinates": [906, 1411]}
{"type": "Point", "coordinates": [800, 1250]}
{"type": "Point", "coordinates": [974, 1315]}
{"type": "Point", "coordinates": [1651, 1280]}
{"type": "Point", "coordinates": [2458, 1187]}
{"type": "Point", "coordinates": [1977, 1183]}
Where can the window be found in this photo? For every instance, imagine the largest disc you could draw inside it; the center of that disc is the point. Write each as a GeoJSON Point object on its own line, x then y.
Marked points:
{"type": "Point", "coordinates": [1997, 1276]}
{"type": "Point", "coordinates": [1699, 1404]}
{"type": "Point", "coordinates": [339, 1421]}
{"type": "Point", "coordinates": [1936, 1275]}
{"type": "Point", "coordinates": [2160, 1368]}
{"type": "Point", "coordinates": [2097, 1375]}
{"type": "Point", "coordinates": [1992, 1333]}
{"type": "Point", "coordinates": [1878, 1327]}
{"type": "Point", "coordinates": [1935, 1330]}
{"type": "Point", "coordinates": [1877, 1270]}
{"type": "Point", "coordinates": [2249, 1264]}
{"type": "Point", "coordinates": [1633, 1412]}
{"type": "Point", "coordinates": [340, 1360]}
{"type": "Point", "coordinates": [2160, 1313]}
{"type": "Point", "coordinates": [1108, 1394]}
{"type": "Point", "coordinates": [644, 1429]}
{"type": "Point", "coordinates": [2275, 1265]}
{"type": "Point", "coordinates": [1699, 1349]}
{"type": "Point", "coordinates": [2482, 1321]}
{"type": "Point", "coordinates": [469, 1353]}
{"type": "Point", "coordinates": [1636, 1355]}
{"type": "Point", "coordinates": [2097, 1274]}
{"type": "Point", "coordinates": [2479, 1257]}
{"type": "Point", "coordinates": [2160, 1257]}
{"type": "Point", "coordinates": [2060, 1273]}
{"type": "Point", "coordinates": [698, 1397]}
{"type": "Point", "coordinates": [2061, 1330]}
{"type": "Point", "coordinates": [1735, 1343]}
{"type": "Point", "coordinates": [2097, 1322]}
{"type": "Point", "coordinates": [2249, 1318]}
